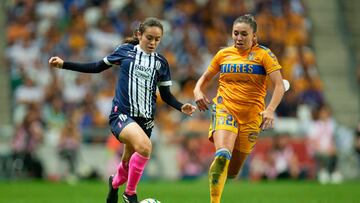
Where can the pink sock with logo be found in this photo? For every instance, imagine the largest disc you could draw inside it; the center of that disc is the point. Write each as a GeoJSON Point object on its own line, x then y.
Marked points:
{"type": "Point", "coordinates": [136, 168]}
{"type": "Point", "coordinates": [121, 176]}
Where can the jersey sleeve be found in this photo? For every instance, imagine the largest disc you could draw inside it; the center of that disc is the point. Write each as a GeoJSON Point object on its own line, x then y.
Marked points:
{"type": "Point", "coordinates": [270, 62]}
{"type": "Point", "coordinates": [214, 66]}
{"type": "Point", "coordinates": [164, 73]}
{"type": "Point", "coordinates": [117, 56]}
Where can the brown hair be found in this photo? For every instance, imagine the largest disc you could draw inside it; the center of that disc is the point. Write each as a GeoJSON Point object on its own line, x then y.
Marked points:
{"type": "Point", "coordinates": [248, 19]}
{"type": "Point", "coordinates": [148, 22]}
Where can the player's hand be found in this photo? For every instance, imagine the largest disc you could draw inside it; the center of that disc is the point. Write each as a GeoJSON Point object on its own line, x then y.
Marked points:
{"type": "Point", "coordinates": [201, 100]}
{"type": "Point", "coordinates": [56, 62]}
{"type": "Point", "coordinates": [188, 109]}
{"type": "Point", "coordinates": [267, 119]}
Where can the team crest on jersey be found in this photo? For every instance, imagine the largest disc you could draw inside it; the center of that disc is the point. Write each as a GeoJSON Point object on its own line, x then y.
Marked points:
{"type": "Point", "coordinates": [157, 65]}
{"type": "Point", "coordinates": [253, 137]}
{"type": "Point", "coordinates": [251, 56]}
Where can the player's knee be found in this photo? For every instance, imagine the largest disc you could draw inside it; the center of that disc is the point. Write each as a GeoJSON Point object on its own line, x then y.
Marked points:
{"type": "Point", "coordinates": [223, 152]}
{"type": "Point", "coordinates": [144, 148]}
{"type": "Point", "coordinates": [232, 175]}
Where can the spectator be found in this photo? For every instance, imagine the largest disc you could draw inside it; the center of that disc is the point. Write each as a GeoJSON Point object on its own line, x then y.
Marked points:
{"type": "Point", "coordinates": [278, 161]}
{"type": "Point", "coordinates": [28, 136]}
{"type": "Point", "coordinates": [29, 92]}
{"type": "Point", "coordinates": [321, 138]}
{"type": "Point", "coordinates": [190, 161]}
{"type": "Point", "coordinates": [283, 160]}
{"type": "Point", "coordinates": [69, 144]}
{"type": "Point", "coordinates": [55, 117]}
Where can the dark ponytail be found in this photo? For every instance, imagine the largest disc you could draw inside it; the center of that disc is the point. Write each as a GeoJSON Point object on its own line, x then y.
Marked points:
{"type": "Point", "coordinates": [133, 39]}
{"type": "Point", "coordinates": [148, 22]}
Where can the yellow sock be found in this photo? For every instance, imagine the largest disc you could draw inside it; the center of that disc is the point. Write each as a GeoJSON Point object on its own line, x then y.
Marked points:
{"type": "Point", "coordinates": [218, 174]}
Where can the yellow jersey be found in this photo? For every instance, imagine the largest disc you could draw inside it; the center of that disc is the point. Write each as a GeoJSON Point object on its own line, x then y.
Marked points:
{"type": "Point", "coordinates": [242, 82]}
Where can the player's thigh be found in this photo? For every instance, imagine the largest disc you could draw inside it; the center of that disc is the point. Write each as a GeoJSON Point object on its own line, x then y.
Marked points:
{"type": "Point", "coordinates": [224, 139]}
{"type": "Point", "coordinates": [223, 129]}
{"type": "Point", "coordinates": [129, 132]}
{"type": "Point", "coordinates": [247, 136]}
{"type": "Point", "coordinates": [134, 135]}
{"type": "Point", "coordinates": [237, 161]}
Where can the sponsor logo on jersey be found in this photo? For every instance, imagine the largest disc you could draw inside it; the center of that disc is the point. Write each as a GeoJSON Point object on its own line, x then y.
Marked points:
{"type": "Point", "coordinates": [243, 68]}
{"type": "Point", "coordinates": [143, 75]}
{"type": "Point", "coordinates": [123, 117]}
{"type": "Point", "coordinates": [149, 124]}
{"type": "Point", "coordinates": [143, 68]}
{"type": "Point", "coordinates": [253, 137]}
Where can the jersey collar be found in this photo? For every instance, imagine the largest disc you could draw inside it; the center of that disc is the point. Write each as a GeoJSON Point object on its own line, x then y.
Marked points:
{"type": "Point", "coordinates": [244, 53]}
{"type": "Point", "coordinates": [140, 49]}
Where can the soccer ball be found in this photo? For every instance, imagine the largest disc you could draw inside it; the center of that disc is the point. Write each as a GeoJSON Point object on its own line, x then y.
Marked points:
{"type": "Point", "coordinates": [286, 85]}
{"type": "Point", "coordinates": [150, 200]}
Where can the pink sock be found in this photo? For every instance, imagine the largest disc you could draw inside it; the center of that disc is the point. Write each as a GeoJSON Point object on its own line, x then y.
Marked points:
{"type": "Point", "coordinates": [121, 176]}
{"type": "Point", "coordinates": [136, 167]}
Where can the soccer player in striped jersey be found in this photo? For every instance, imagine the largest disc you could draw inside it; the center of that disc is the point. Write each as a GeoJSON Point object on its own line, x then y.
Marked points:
{"type": "Point", "coordinates": [238, 112]}
{"type": "Point", "coordinates": [132, 115]}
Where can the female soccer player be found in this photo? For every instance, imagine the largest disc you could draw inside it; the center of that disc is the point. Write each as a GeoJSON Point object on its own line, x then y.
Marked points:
{"type": "Point", "coordinates": [238, 112]}
{"type": "Point", "coordinates": [133, 108]}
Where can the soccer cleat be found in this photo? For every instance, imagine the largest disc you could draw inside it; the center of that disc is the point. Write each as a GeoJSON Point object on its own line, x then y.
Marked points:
{"type": "Point", "coordinates": [130, 198]}
{"type": "Point", "coordinates": [112, 196]}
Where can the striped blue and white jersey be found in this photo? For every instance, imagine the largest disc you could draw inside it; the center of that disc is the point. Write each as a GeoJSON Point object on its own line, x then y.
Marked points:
{"type": "Point", "coordinates": [139, 75]}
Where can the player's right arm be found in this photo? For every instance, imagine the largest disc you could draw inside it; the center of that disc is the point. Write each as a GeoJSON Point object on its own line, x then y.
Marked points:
{"type": "Point", "coordinates": [200, 97]}
{"type": "Point", "coordinates": [199, 91]}
{"type": "Point", "coordinates": [94, 67]}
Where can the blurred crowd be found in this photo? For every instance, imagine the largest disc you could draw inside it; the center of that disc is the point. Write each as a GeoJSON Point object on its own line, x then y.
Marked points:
{"type": "Point", "coordinates": [62, 111]}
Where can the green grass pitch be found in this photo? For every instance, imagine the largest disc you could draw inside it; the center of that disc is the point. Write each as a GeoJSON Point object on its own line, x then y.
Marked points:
{"type": "Point", "coordinates": [183, 192]}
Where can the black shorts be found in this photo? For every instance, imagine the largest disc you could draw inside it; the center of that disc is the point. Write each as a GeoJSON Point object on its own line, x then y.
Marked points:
{"type": "Point", "coordinates": [118, 122]}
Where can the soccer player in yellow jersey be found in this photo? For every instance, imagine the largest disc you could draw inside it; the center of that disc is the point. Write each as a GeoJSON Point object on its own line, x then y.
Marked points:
{"type": "Point", "coordinates": [238, 110]}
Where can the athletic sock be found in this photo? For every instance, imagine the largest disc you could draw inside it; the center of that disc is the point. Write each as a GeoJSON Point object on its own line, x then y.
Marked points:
{"type": "Point", "coordinates": [136, 167]}
{"type": "Point", "coordinates": [121, 176]}
{"type": "Point", "coordinates": [218, 174]}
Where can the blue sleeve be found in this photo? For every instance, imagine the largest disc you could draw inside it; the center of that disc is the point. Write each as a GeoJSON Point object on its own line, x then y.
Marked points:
{"type": "Point", "coordinates": [164, 72]}
{"type": "Point", "coordinates": [169, 98]}
{"type": "Point", "coordinates": [118, 55]}
{"type": "Point", "coordinates": [95, 67]}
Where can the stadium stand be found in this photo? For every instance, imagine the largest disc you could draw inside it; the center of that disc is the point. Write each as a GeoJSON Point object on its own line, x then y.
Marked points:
{"type": "Point", "coordinates": [89, 30]}
{"type": "Point", "coordinates": [334, 60]}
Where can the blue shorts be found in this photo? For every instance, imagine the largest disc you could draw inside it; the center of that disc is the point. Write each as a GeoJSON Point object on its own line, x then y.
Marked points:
{"type": "Point", "coordinates": [119, 121]}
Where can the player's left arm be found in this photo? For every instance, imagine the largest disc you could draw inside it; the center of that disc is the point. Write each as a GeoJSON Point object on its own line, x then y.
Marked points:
{"type": "Point", "coordinates": [169, 98]}
{"type": "Point", "coordinates": [269, 113]}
